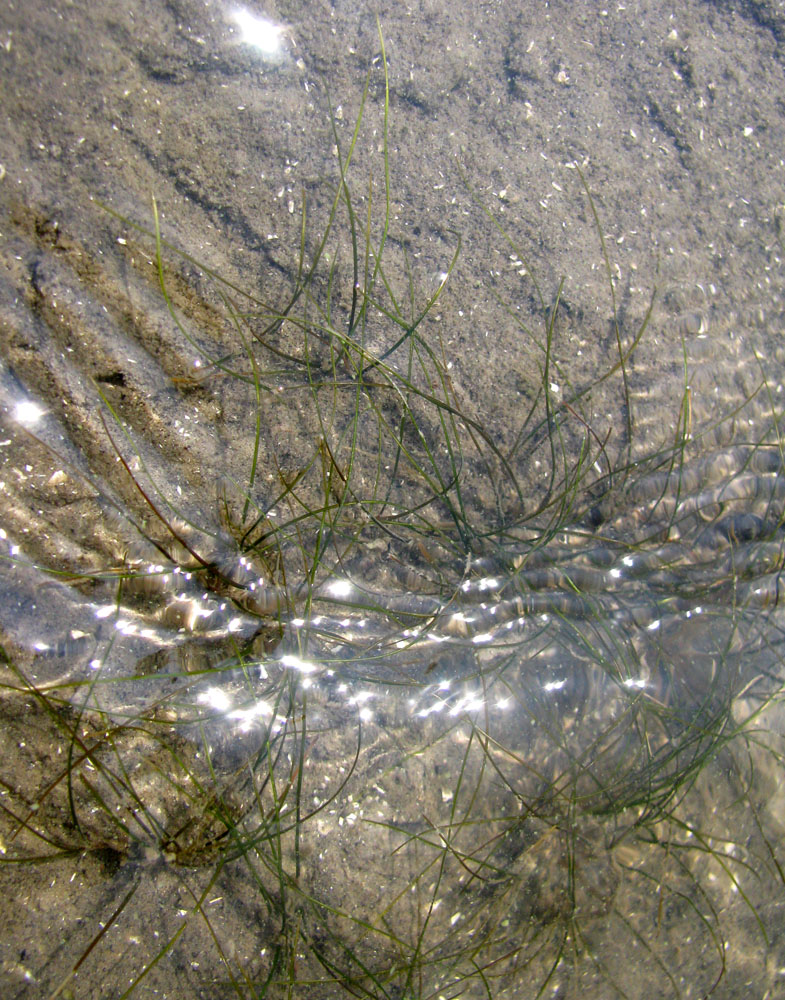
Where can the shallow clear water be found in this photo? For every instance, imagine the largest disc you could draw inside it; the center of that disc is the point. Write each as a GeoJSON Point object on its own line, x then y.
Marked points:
{"type": "Point", "coordinates": [415, 610]}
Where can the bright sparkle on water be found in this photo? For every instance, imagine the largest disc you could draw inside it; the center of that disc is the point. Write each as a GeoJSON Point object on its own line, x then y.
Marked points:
{"type": "Point", "coordinates": [215, 698]}
{"type": "Point", "coordinates": [297, 663]}
{"type": "Point", "coordinates": [27, 412]}
{"type": "Point", "coordinates": [259, 33]}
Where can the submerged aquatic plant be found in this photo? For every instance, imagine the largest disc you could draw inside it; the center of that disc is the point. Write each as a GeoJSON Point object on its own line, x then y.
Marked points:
{"type": "Point", "coordinates": [440, 715]}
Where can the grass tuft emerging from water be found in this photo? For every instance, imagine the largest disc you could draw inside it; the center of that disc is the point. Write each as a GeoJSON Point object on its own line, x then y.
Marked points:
{"type": "Point", "coordinates": [448, 728]}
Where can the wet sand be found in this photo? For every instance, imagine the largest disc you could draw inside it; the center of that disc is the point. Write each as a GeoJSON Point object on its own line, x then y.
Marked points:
{"type": "Point", "coordinates": [676, 125]}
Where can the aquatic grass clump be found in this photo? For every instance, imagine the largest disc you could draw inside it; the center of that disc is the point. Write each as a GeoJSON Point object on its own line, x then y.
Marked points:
{"type": "Point", "coordinates": [439, 717]}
